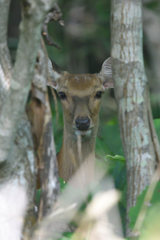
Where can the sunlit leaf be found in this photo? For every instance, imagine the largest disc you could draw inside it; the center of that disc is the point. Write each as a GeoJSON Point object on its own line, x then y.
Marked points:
{"type": "Point", "coordinates": [116, 157]}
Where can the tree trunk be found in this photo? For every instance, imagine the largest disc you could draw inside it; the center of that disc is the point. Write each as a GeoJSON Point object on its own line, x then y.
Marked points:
{"type": "Point", "coordinates": [131, 92]}
{"type": "Point", "coordinates": [17, 160]}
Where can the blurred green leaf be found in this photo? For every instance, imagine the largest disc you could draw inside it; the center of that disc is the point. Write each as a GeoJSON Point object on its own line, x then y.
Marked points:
{"type": "Point", "coordinates": [157, 127]}
{"type": "Point", "coordinates": [150, 228]}
{"type": "Point", "coordinates": [112, 121]}
{"type": "Point", "coordinates": [62, 183]}
{"type": "Point", "coordinates": [153, 5]}
{"type": "Point", "coordinates": [66, 236]}
{"type": "Point", "coordinates": [38, 195]}
{"type": "Point", "coordinates": [117, 169]}
{"type": "Point", "coordinates": [101, 148]}
{"type": "Point", "coordinates": [111, 135]}
{"type": "Point", "coordinates": [134, 211]}
{"type": "Point", "coordinates": [116, 158]}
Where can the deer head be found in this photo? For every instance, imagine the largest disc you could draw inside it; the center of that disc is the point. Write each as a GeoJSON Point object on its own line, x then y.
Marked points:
{"type": "Point", "coordinates": [80, 95]}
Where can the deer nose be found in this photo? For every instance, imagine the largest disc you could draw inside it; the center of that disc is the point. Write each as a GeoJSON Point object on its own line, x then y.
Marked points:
{"type": "Point", "coordinates": [82, 123]}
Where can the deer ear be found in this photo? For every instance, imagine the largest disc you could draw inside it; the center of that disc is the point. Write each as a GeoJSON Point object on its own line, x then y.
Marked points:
{"type": "Point", "coordinates": [54, 74]}
{"type": "Point", "coordinates": [106, 74]}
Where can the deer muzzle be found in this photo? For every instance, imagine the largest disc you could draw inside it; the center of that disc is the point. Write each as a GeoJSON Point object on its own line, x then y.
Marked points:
{"type": "Point", "coordinates": [82, 124]}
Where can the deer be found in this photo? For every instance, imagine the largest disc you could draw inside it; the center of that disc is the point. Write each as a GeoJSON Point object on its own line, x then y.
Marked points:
{"type": "Point", "coordinates": [80, 95]}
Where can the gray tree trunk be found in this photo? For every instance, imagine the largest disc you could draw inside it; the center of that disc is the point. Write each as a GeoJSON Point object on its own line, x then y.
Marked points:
{"type": "Point", "coordinates": [131, 92]}
{"type": "Point", "coordinates": [17, 160]}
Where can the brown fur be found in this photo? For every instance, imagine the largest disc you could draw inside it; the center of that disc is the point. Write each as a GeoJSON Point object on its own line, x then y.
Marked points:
{"type": "Point", "coordinates": [81, 101]}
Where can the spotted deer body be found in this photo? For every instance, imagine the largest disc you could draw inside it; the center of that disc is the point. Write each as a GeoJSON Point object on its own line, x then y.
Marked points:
{"type": "Point", "coordinates": [80, 96]}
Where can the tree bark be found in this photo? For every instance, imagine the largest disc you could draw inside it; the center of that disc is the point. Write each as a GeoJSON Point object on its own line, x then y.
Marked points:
{"type": "Point", "coordinates": [41, 121]}
{"type": "Point", "coordinates": [131, 92]}
{"type": "Point", "coordinates": [30, 33]}
{"type": "Point", "coordinates": [17, 160]}
{"type": "Point", "coordinates": [5, 60]}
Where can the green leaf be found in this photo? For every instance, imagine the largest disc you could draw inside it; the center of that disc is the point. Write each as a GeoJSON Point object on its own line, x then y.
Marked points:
{"type": "Point", "coordinates": [134, 211]}
{"type": "Point", "coordinates": [117, 168]}
{"type": "Point", "coordinates": [116, 157]}
{"type": "Point", "coordinates": [111, 136]}
{"type": "Point", "coordinates": [62, 183]}
{"type": "Point", "coordinates": [38, 195]}
{"type": "Point", "coordinates": [150, 228]}
{"type": "Point", "coordinates": [66, 236]}
{"type": "Point", "coordinates": [101, 148]}
{"type": "Point", "coordinates": [157, 127]}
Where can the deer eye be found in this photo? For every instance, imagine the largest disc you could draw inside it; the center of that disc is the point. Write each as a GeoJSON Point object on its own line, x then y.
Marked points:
{"type": "Point", "coordinates": [62, 95]}
{"type": "Point", "coordinates": [98, 95]}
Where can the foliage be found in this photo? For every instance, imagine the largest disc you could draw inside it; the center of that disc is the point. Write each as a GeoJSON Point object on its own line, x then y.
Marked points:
{"type": "Point", "coordinates": [66, 236]}
{"type": "Point", "coordinates": [107, 149]}
{"type": "Point", "coordinates": [150, 224]}
{"type": "Point", "coordinates": [134, 211]}
{"type": "Point", "coordinates": [62, 183]}
{"type": "Point", "coordinates": [153, 5]}
{"type": "Point", "coordinates": [117, 158]}
{"type": "Point", "coordinates": [157, 127]}
{"type": "Point", "coordinates": [78, 50]}
{"type": "Point", "coordinates": [38, 195]}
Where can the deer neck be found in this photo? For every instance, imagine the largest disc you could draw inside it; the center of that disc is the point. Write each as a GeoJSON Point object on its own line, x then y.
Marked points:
{"type": "Point", "coordinates": [77, 150]}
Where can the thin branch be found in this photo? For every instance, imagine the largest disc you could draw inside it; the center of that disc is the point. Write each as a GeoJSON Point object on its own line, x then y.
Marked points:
{"type": "Point", "coordinates": [152, 129]}
{"type": "Point", "coordinates": [54, 15]}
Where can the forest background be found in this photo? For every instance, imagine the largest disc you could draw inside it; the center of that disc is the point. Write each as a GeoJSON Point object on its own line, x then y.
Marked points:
{"type": "Point", "coordinates": [85, 44]}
